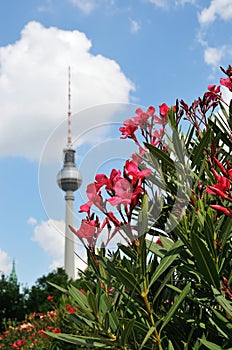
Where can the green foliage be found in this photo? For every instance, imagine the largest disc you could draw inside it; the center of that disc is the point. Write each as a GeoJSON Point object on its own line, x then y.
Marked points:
{"type": "Point", "coordinates": [12, 303]}
{"type": "Point", "coordinates": [36, 298]}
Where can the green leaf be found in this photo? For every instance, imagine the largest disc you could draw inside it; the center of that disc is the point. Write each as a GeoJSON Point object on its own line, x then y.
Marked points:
{"type": "Point", "coordinates": [221, 329]}
{"type": "Point", "coordinates": [210, 345]}
{"type": "Point", "coordinates": [128, 251]}
{"type": "Point", "coordinates": [209, 230]}
{"type": "Point", "coordinates": [143, 216]}
{"type": "Point", "coordinates": [165, 263]}
{"type": "Point", "coordinates": [79, 298]}
{"type": "Point", "coordinates": [164, 283]}
{"type": "Point", "coordinates": [226, 304]}
{"type": "Point", "coordinates": [179, 299]}
{"type": "Point", "coordinates": [198, 151]}
{"type": "Point", "coordinates": [143, 256]}
{"type": "Point", "coordinates": [148, 335]}
{"type": "Point", "coordinates": [205, 263]}
{"type": "Point", "coordinates": [107, 307]}
{"type": "Point", "coordinates": [128, 279]}
{"type": "Point", "coordinates": [170, 346]}
{"type": "Point", "coordinates": [92, 302]}
{"type": "Point", "coordinates": [127, 331]}
{"type": "Point", "coordinates": [91, 342]}
{"type": "Point", "coordinates": [164, 157]}
{"type": "Point", "coordinates": [155, 248]}
{"type": "Point", "coordinates": [178, 146]}
{"type": "Point", "coordinates": [58, 287]}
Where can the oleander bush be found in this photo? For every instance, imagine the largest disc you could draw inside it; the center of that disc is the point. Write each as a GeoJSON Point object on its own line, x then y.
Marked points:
{"type": "Point", "coordinates": [168, 282]}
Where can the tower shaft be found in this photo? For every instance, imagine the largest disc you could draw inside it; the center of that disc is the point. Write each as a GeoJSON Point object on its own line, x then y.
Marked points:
{"type": "Point", "coordinates": [69, 265]}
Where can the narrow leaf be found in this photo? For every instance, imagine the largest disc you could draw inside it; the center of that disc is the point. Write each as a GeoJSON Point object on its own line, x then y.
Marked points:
{"type": "Point", "coordinates": [161, 155]}
{"type": "Point", "coordinates": [205, 263]}
{"type": "Point", "coordinates": [226, 304]}
{"type": "Point", "coordinates": [148, 335]}
{"type": "Point", "coordinates": [210, 345]}
{"type": "Point", "coordinates": [199, 148]}
{"type": "Point", "coordinates": [127, 331]}
{"type": "Point", "coordinates": [165, 263]}
{"type": "Point", "coordinates": [178, 145]}
{"type": "Point", "coordinates": [179, 299]}
{"type": "Point", "coordinates": [128, 279]}
{"type": "Point", "coordinates": [87, 341]}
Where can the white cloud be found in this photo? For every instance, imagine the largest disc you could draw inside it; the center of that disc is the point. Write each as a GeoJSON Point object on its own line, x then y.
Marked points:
{"type": "Point", "coordinates": [32, 221]}
{"type": "Point", "coordinates": [159, 3]}
{"type": "Point", "coordinates": [217, 8]}
{"type": "Point", "coordinates": [165, 4]}
{"type": "Point", "coordinates": [33, 86]}
{"type": "Point", "coordinates": [134, 26]}
{"type": "Point", "coordinates": [5, 263]}
{"type": "Point", "coordinates": [86, 6]}
{"type": "Point", "coordinates": [50, 237]}
{"type": "Point", "coordinates": [213, 55]}
{"type": "Point", "coordinates": [184, 2]}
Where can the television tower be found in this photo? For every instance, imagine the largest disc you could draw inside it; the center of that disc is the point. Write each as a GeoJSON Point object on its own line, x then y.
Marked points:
{"type": "Point", "coordinates": [69, 180]}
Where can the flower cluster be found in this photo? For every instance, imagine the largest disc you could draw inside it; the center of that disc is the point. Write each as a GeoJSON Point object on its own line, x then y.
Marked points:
{"type": "Point", "coordinates": [150, 125]}
{"type": "Point", "coordinates": [124, 191]}
{"type": "Point", "coordinates": [222, 187]}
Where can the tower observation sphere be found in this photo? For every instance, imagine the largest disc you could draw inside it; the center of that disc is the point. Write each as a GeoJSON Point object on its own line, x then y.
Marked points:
{"type": "Point", "coordinates": [69, 178]}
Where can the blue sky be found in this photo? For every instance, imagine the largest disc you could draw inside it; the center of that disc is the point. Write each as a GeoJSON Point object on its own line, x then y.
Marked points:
{"type": "Point", "coordinates": [122, 54]}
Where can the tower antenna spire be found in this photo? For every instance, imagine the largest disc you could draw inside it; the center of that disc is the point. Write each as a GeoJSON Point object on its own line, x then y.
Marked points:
{"type": "Point", "coordinates": [69, 138]}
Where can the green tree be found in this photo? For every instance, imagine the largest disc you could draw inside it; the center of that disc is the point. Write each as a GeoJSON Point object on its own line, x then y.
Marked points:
{"type": "Point", "coordinates": [37, 298]}
{"type": "Point", "coordinates": [12, 303]}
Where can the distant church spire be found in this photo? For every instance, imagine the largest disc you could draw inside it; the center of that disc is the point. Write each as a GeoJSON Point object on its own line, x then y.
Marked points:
{"type": "Point", "coordinates": [13, 277]}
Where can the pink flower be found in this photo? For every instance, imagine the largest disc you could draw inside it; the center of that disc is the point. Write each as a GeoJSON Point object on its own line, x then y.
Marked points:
{"type": "Point", "coordinates": [214, 89]}
{"type": "Point", "coordinates": [87, 229]}
{"type": "Point", "coordinates": [142, 117]}
{"type": "Point", "coordinates": [128, 130]}
{"type": "Point", "coordinates": [164, 110]}
{"type": "Point", "coordinates": [227, 82]}
{"type": "Point", "coordinates": [131, 169]}
{"type": "Point", "coordinates": [229, 172]}
{"type": "Point", "coordinates": [103, 180]}
{"type": "Point", "coordinates": [94, 197]}
{"type": "Point", "coordinates": [50, 298]}
{"type": "Point", "coordinates": [224, 210]}
{"type": "Point", "coordinates": [123, 193]}
{"type": "Point", "coordinates": [213, 94]}
{"type": "Point", "coordinates": [70, 309]}
{"type": "Point", "coordinates": [56, 330]}
{"type": "Point", "coordinates": [220, 188]}
{"type": "Point", "coordinates": [157, 134]}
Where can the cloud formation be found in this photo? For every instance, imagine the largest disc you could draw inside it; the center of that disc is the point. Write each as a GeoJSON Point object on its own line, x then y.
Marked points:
{"type": "Point", "coordinates": [33, 85]}
{"type": "Point", "coordinates": [49, 235]}
{"type": "Point", "coordinates": [166, 4]}
{"type": "Point", "coordinates": [86, 6]}
{"type": "Point", "coordinates": [134, 26]}
{"type": "Point", "coordinates": [217, 8]}
{"type": "Point", "coordinates": [213, 55]}
{"type": "Point", "coordinates": [5, 263]}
